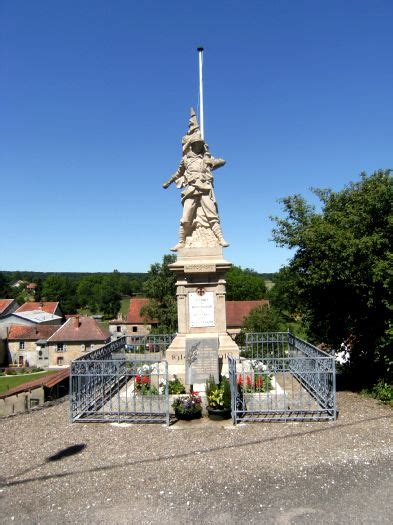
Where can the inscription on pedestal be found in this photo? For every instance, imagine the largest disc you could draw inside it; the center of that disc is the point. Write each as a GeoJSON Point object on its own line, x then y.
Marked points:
{"type": "Point", "coordinates": [199, 268]}
{"type": "Point", "coordinates": [201, 359]}
{"type": "Point", "coordinates": [201, 309]}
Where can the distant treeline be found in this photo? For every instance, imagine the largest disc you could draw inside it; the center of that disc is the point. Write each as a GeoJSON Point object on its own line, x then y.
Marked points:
{"type": "Point", "coordinates": [22, 275]}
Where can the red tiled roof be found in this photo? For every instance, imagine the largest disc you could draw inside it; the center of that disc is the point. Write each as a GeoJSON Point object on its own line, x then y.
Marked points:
{"type": "Point", "coordinates": [4, 304]}
{"type": "Point", "coordinates": [31, 333]}
{"type": "Point", "coordinates": [31, 286]}
{"type": "Point", "coordinates": [48, 307]}
{"type": "Point", "coordinates": [48, 381]}
{"type": "Point", "coordinates": [80, 328]}
{"type": "Point", "coordinates": [237, 310]}
{"type": "Point", "coordinates": [134, 316]}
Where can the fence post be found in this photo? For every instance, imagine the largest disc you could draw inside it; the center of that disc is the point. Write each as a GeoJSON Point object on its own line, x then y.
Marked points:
{"type": "Point", "coordinates": [166, 394]}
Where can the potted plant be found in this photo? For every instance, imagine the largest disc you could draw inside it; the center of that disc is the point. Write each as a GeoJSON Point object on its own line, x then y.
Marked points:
{"type": "Point", "coordinates": [188, 407]}
{"type": "Point", "coordinates": [218, 399]}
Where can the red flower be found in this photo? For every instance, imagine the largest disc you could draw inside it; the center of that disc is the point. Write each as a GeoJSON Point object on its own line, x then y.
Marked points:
{"type": "Point", "coordinates": [259, 382]}
{"type": "Point", "coordinates": [239, 380]}
{"type": "Point", "coordinates": [248, 381]}
{"type": "Point", "coordinates": [146, 380]}
{"type": "Point", "coordinates": [138, 379]}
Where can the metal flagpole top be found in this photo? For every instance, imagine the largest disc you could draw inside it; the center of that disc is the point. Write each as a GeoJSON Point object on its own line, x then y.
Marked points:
{"type": "Point", "coordinates": [201, 116]}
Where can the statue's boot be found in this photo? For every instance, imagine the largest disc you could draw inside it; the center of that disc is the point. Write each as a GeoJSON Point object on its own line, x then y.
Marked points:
{"type": "Point", "coordinates": [182, 240]}
{"type": "Point", "coordinates": [218, 233]}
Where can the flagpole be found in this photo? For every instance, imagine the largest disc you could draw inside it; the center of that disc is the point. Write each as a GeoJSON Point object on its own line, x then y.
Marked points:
{"type": "Point", "coordinates": [201, 120]}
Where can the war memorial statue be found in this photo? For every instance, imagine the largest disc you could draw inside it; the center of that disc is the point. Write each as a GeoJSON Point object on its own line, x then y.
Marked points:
{"type": "Point", "coordinates": [200, 222]}
{"type": "Point", "coordinates": [202, 345]}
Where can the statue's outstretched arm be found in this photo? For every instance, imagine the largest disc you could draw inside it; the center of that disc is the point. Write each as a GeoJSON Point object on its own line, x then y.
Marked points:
{"type": "Point", "coordinates": [216, 163]}
{"type": "Point", "coordinates": [179, 173]}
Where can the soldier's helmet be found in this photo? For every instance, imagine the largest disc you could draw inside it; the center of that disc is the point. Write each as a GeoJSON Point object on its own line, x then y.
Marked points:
{"type": "Point", "coordinates": [191, 139]}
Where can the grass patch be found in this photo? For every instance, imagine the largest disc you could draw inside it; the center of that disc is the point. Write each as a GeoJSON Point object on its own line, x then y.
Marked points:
{"type": "Point", "coordinates": [8, 382]}
{"type": "Point", "coordinates": [125, 306]}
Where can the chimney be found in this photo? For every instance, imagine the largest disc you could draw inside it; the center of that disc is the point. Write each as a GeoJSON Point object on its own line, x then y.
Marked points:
{"type": "Point", "coordinates": [41, 305]}
{"type": "Point", "coordinates": [76, 321]}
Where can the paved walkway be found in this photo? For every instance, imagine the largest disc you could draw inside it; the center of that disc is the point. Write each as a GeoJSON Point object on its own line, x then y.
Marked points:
{"type": "Point", "coordinates": [199, 472]}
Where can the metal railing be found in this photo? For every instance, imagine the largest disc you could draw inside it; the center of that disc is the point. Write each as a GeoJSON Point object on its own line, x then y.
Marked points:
{"type": "Point", "coordinates": [126, 380]}
{"type": "Point", "coordinates": [280, 377]}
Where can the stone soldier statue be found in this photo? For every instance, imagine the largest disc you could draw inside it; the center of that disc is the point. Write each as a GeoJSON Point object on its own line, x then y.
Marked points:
{"type": "Point", "coordinates": [194, 174]}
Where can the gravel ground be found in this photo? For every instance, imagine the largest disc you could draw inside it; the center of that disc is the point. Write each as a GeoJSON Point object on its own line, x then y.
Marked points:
{"type": "Point", "coordinates": [199, 472]}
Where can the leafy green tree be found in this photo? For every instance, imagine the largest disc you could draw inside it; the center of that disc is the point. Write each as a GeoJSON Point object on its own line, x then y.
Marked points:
{"type": "Point", "coordinates": [340, 278]}
{"type": "Point", "coordinates": [4, 286]}
{"type": "Point", "coordinates": [100, 293]}
{"type": "Point", "coordinates": [108, 297]}
{"type": "Point", "coordinates": [62, 289]}
{"type": "Point", "coordinates": [160, 288]}
{"type": "Point", "coordinates": [244, 285]}
{"type": "Point", "coordinates": [87, 292]}
{"type": "Point", "coordinates": [264, 319]}
{"type": "Point", "coordinates": [38, 291]}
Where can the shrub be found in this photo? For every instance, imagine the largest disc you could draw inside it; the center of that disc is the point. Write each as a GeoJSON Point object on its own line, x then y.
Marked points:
{"type": "Point", "coordinates": [176, 387]}
{"type": "Point", "coordinates": [383, 391]}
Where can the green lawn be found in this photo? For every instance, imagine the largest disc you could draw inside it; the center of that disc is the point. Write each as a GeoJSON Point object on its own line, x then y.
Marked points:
{"type": "Point", "coordinates": [125, 306]}
{"type": "Point", "coordinates": [7, 382]}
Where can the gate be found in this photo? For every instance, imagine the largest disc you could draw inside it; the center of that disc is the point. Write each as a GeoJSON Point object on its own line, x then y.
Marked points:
{"type": "Point", "coordinates": [126, 380]}
{"type": "Point", "coordinates": [280, 377]}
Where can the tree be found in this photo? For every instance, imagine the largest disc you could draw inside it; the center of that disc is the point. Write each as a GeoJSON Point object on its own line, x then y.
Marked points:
{"type": "Point", "coordinates": [4, 286]}
{"type": "Point", "coordinates": [244, 285]}
{"type": "Point", "coordinates": [338, 279]}
{"type": "Point", "coordinates": [160, 288]}
{"type": "Point", "coordinates": [263, 319]}
{"type": "Point", "coordinates": [62, 289]}
{"type": "Point", "coordinates": [100, 293]}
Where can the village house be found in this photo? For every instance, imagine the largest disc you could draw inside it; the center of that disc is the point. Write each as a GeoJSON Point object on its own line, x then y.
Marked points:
{"type": "Point", "coordinates": [7, 307]}
{"type": "Point", "coordinates": [34, 393]}
{"type": "Point", "coordinates": [236, 311]}
{"type": "Point", "coordinates": [134, 324]}
{"type": "Point", "coordinates": [32, 313]}
{"type": "Point", "coordinates": [50, 307]}
{"type": "Point", "coordinates": [74, 338]}
{"type": "Point", "coordinates": [27, 345]}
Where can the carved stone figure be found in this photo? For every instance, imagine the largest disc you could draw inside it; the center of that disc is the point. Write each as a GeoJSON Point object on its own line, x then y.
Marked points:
{"type": "Point", "coordinates": [200, 222]}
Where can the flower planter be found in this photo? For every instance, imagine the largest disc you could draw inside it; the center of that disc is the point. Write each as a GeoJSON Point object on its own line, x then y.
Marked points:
{"type": "Point", "coordinates": [218, 414]}
{"type": "Point", "coordinates": [188, 416]}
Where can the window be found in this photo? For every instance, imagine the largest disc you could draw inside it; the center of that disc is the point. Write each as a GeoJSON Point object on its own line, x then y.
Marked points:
{"type": "Point", "coordinates": [60, 361]}
{"type": "Point", "coordinates": [118, 328]}
{"type": "Point", "coordinates": [21, 345]}
{"type": "Point", "coordinates": [61, 347]}
{"type": "Point", "coordinates": [134, 328]}
{"type": "Point", "coordinates": [34, 402]}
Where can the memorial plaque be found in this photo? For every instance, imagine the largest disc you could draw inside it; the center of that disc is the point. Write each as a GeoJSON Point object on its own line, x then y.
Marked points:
{"type": "Point", "coordinates": [201, 359]}
{"type": "Point", "coordinates": [201, 309]}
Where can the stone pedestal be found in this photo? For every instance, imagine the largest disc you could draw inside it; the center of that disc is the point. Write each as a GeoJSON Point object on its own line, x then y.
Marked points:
{"type": "Point", "coordinates": [202, 345]}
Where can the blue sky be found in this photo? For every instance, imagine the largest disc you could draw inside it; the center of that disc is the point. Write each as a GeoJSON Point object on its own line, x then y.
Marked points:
{"type": "Point", "coordinates": [94, 100]}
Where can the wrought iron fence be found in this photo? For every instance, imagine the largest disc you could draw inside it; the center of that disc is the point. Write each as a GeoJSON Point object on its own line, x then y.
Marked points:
{"type": "Point", "coordinates": [125, 381]}
{"type": "Point", "coordinates": [143, 347]}
{"type": "Point", "coordinates": [280, 377]}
